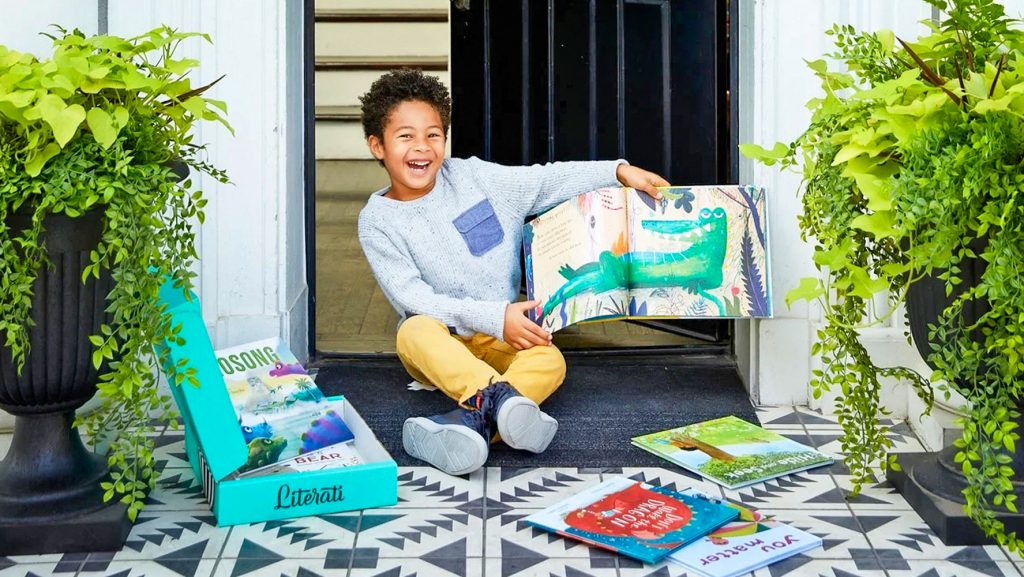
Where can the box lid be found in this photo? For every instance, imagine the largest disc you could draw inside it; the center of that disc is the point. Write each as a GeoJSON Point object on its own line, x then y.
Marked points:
{"type": "Point", "coordinates": [206, 408]}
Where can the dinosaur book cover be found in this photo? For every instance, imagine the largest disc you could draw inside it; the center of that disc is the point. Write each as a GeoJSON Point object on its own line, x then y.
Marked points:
{"type": "Point", "coordinates": [642, 521]}
{"type": "Point", "coordinates": [742, 546]}
{"type": "Point", "coordinates": [732, 452]}
{"type": "Point", "coordinates": [281, 411]}
{"type": "Point", "coordinates": [698, 252]}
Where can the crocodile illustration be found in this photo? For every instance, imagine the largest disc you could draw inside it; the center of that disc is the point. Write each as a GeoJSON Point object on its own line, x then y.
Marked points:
{"type": "Point", "coordinates": [698, 267]}
{"type": "Point", "coordinates": [263, 451]}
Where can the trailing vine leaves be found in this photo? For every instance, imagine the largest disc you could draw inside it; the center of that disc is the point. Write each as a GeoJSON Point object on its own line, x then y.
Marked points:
{"type": "Point", "coordinates": [911, 162]}
{"type": "Point", "coordinates": [96, 128]}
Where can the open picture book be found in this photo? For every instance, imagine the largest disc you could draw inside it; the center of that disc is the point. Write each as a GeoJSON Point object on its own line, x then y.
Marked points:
{"type": "Point", "coordinates": [699, 252]}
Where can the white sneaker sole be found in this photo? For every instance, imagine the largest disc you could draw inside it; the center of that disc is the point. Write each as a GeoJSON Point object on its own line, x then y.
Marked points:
{"type": "Point", "coordinates": [454, 449]}
{"type": "Point", "coordinates": [524, 426]}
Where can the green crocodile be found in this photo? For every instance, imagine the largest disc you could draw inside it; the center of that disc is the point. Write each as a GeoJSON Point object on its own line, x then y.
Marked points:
{"type": "Point", "coordinates": [264, 451]}
{"type": "Point", "coordinates": [698, 268]}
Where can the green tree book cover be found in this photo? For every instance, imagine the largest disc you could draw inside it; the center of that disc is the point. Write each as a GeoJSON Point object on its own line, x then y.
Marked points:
{"type": "Point", "coordinates": [732, 452]}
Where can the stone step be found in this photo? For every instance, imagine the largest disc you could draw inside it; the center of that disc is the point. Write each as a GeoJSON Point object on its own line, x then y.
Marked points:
{"type": "Point", "coordinates": [341, 141]}
{"type": "Point", "coordinates": [378, 15]}
{"type": "Point", "coordinates": [344, 140]}
{"type": "Point", "coordinates": [380, 5]}
{"type": "Point", "coordinates": [344, 86]}
{"type": "Point", "coordinates": [386, 42]}
{"type": "Point", "coordinates": [348, 178]}
{"type": "Point", "coordinates": [337, 113]}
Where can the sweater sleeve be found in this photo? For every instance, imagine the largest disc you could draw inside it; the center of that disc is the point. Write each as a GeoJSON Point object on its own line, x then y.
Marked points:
{"type": "Point", "coordinates": [402, 284]}
{"type": "Point", "coordinates": [533, 189]}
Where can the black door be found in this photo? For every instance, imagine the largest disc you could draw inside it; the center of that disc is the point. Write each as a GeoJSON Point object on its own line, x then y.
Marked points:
{"type": "Point", "coordinates": [535, 81]}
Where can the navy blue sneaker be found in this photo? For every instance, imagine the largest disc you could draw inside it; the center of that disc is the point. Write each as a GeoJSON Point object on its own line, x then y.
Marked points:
{"type": "Point", "coordinates": [456, 442]}
{"type": "Point", "coordinates": [521, 423]}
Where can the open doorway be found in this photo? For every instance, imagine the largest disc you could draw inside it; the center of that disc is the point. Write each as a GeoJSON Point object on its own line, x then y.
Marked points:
{"type": "Point", "coordinates": [646, 80]}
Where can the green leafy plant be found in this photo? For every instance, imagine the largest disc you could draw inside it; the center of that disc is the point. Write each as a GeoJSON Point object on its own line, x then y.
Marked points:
{"type": "Point", "coordinates": [96, 127]}
{"type": "Point", "coordinates": [911, 164]}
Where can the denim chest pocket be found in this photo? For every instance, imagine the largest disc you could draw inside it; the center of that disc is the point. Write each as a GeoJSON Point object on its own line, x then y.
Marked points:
{"type": "Point", "coordinates": [480, 228]}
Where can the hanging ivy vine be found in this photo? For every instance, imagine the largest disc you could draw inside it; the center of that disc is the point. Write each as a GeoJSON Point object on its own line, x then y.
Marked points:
{"type": "Point", "coordinates": [913, 156]}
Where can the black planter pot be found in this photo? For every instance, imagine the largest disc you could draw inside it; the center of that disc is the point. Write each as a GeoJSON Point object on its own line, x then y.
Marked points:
{"type": "Point", "coordinates": [50, 495]}
{"type": "Point", "coordinates": [932, 482]}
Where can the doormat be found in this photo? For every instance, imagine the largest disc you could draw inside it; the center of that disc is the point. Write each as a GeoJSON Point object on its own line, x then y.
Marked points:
{"type": "Point", "coordinates": [602, 404]}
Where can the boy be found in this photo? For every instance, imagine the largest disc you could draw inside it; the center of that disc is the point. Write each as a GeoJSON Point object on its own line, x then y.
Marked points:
{"type": "Point", "coordinates": [443, 242]}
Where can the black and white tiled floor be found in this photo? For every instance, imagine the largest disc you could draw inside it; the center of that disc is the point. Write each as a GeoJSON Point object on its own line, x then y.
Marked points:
{"type": "Point", "coordinates": [472, 526]}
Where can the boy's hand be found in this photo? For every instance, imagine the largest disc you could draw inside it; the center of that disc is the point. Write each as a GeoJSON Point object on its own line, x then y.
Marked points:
{"type": "Point", "coordinates": [640, 179]}
{"type": "Point", "coordinates": [520, 331]}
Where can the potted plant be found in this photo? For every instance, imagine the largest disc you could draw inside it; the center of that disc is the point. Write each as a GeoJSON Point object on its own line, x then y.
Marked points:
{"type": "Point", "coordinates": [98, 209]}
{"type": "Point", "coordinates": [912, 174]}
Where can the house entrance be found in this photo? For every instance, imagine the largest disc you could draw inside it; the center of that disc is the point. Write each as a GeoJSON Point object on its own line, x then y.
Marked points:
{"type": "Point", "coordinates": [532, 82]}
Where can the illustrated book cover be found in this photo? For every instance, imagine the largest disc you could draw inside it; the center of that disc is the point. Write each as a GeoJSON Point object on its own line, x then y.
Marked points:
{"type": "Point", "coordinates": [731, 451]}
{"type": "Point", "coordinates": [642, 521]}
{"type": "Point", "coordinates": [744, 545]}
{"type": "Point", "coordinates": [699, 252]}
{"type": "Point", "coordinates": [281, 411]}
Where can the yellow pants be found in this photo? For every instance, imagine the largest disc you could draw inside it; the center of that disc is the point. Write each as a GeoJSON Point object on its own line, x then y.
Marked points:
{"type": "Point", "coordinates": [461, 366]}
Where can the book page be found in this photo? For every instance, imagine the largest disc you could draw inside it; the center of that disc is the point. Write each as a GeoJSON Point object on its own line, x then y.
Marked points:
{"type": "Point", "coordinates": [574, 262]}
{"type": "Point", "coordinates": [699, 252]}
{"type": "Point", "coordinates": [281, 411]}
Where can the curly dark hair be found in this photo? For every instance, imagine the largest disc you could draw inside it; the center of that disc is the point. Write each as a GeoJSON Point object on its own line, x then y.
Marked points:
{"type": "Point", "coordinates": [396, 87]}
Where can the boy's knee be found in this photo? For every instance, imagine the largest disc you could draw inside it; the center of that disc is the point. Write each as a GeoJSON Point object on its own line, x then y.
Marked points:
{"type": "Point", "coordinates": [416, 327]}
{"type": "Point", "coordinates": [552, 360]}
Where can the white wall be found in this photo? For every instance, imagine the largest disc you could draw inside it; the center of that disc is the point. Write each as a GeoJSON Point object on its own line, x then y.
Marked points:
{"type": "Point", "coordinates": [20, 28]}
{"type": "Point", "coordinates": [252, 278]}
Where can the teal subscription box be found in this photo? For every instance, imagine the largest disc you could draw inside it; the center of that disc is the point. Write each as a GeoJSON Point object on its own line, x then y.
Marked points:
{"type": "Point", "coordinates": [215, 448]}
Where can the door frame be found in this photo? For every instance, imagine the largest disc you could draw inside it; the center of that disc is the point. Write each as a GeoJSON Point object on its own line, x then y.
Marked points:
{"type": "Point", "coordinates": [741, 340]}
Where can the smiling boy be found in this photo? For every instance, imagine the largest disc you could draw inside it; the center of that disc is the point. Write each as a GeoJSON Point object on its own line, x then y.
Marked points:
{"type": "Point", "coordinates": [443, 242]}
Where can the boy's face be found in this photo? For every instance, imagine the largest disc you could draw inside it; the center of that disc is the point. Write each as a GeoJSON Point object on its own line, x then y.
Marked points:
{"type": "Point", "coordinates": [412, 149]}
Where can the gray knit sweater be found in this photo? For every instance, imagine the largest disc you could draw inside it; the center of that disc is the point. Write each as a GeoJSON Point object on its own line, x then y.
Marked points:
{"type": "Point", "coordinates": [453, 254]}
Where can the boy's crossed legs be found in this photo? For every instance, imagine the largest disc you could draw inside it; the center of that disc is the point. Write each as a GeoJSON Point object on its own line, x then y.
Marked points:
{"type": "Point", "coordinates": [495, 385]}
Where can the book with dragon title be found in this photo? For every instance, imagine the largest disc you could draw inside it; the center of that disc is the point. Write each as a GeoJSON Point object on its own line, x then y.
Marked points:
{"type": "Point", "coordinates": [732, 452]}
{"type": "Point", "coordinates": [282, 413]}
{"type": "Point", "coordinates": [635, 519]}
{"type": "Point", "coordinates": [698, 252]}
{"type": "Point", "coordinates": [739, 547]}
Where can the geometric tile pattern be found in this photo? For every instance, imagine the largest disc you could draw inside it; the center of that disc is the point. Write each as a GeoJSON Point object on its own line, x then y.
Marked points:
{"type": "Point", "coordinates": [472, 525]}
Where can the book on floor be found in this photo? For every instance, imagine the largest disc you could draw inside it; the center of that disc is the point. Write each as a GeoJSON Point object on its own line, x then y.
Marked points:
{"type": "Point", "coordinates": [744, 545]}
{"type": "Point", "coordinates": [335, 456]}
{"type": "Point", "coordinates": [642, 521]}
{"type": "Point", "coordinates": [281, 411]}
{"type": "Point", "coordinates": [700, 251]}
{"type": "Point", "coordinates": [732, 452]}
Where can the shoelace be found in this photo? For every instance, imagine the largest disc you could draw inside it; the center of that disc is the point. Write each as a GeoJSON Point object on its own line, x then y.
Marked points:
{"type": "Point", "coordinates": [492, 396]}
{"type": "Point", "coordinates": [477, 421]}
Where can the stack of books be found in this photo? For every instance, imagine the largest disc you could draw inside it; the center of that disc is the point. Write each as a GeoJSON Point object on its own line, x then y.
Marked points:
{"type": "Point", "coordinates": [707, 535]}
{"type": "Point", "coordinates": [286, 421]}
